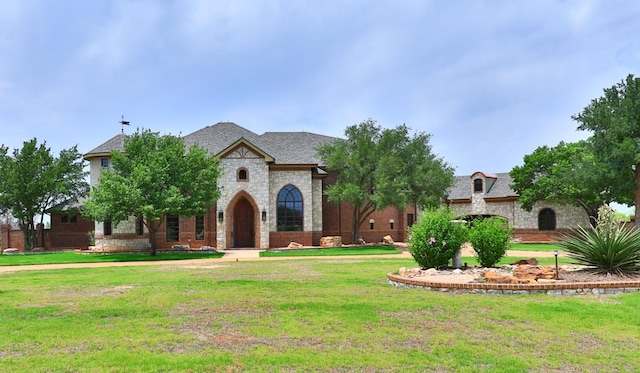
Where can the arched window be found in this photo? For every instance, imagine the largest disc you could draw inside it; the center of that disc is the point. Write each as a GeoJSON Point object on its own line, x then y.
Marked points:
{"type": "Point", "coordinates": [289, 209]}
{"type": "Point", "coordinates": [547, 220]}
{"type": "Point", "coordinates": [477, 185]}
{"type": "Point", "coordinates": [243, 174]}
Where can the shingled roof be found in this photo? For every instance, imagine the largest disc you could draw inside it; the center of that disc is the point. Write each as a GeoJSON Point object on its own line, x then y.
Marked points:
{"type": "Point", "coordinates": [462, 188]}
{"type": "Point", "coordinates": [114, 143]}
{"type": "Point", "coordinates": [287, 148]}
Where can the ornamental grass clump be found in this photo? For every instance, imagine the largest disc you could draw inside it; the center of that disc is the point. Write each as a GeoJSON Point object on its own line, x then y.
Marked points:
{"type": "Point", "coordinates": [436, 238]}
{"type": "Point", "coordinates": [607, 249]}
{"type": "Point", "coordinates": [490, 239]}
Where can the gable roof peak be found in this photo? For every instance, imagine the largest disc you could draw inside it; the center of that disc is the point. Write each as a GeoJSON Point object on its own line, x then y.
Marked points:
{"type": "Point", "coordinates": [485, 175]}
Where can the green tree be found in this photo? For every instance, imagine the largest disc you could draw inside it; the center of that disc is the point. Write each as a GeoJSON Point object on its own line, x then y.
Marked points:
{"type": "Point", "coordinates": [155, 176]}
{"type": "Point", "coordinates": [614, 120]}
{"type": "Point", "coordinates": [568, 173]}
{"type": "Point", "coordinates": [378, 168]}
{"type": "Point", "coordinates": [34, 180]}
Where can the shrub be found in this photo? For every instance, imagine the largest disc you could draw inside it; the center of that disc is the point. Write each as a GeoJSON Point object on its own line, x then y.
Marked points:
{"type": "Point", "coordinates": [490, 239]}
{"type": "Point", "coordinates": [608, 249]}
{"type": "Point", "coordinates": [617, 253]}
{"type": "Point", "coordinates": [435, 238]}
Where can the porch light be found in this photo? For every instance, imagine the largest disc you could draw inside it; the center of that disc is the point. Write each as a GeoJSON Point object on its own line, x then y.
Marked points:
{"type": "Point", "coordinates": [220, 216]}
{"type": "Point", "coordinates": [264, 214]}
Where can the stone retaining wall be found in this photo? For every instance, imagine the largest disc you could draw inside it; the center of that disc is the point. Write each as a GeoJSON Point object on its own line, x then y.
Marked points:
{"type": "Point", "coordinates": [558, 288]}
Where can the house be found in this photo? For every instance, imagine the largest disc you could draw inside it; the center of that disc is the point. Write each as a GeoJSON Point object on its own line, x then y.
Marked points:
{"type": "Point", "coordinates": [486, 194]}
{"type": "Point", "coordinates": [272, 194]}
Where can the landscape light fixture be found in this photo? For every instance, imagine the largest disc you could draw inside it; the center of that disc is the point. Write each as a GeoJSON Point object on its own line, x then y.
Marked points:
{"type": "Point", "coordinates": [555, 253]}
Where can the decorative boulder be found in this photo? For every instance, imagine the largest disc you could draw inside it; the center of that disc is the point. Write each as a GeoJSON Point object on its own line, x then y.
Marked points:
{"type": "Point", "coordinates": [530, 261]}
{"type": "Point", "coordinates": [361, 241]}
{"type": "Point", "coordinates": [387, 240]}
{"type": "Point", "coordinates": [331, 241]}
{"type": "Point", "coordinates": [295, 245]}
{"type": "Point", "coordinates": [11, 250]}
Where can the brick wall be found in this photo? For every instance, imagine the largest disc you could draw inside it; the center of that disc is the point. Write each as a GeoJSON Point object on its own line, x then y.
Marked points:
{"type": "Point", "coordinates": [282, 239]}
{"type": "Point", "coordinates": [69, 232]}
{"type": "Point", "coordinates": [14, 238]}
{"type": "Point", "coordinates": [337, 220]}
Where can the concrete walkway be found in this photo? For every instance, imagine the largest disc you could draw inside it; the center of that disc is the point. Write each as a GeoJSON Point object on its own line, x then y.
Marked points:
{"type": "Point", "coordinates": [237, 256]}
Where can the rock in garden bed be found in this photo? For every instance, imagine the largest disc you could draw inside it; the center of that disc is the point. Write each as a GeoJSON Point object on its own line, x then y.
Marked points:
{"type": "Point", "coordinates": [512, 274]}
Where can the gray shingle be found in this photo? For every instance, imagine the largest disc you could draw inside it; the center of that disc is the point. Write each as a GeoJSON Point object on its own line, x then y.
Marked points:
{"type": "Point", "coordinates": [463, 187]}
{"type": "Point", "coordinates": [114, 143]}
{"type": "Point", "coordinates": [283, 147]}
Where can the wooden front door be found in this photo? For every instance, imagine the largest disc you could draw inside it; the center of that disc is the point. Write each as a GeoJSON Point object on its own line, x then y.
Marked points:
{"type": "Point", "coordinates": [243, 226]}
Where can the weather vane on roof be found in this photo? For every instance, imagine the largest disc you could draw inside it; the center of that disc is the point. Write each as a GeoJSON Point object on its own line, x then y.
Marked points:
{"type": "Point", "coordinates": [123, 123]}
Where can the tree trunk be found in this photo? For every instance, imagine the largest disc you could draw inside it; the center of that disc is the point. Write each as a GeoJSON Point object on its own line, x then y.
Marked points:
{"type": "Point", "coordinates": [27, 234]}
{"type": "Point", "coordinates": [153, 228]}
{"type": "Point", "coordinates": [355, 226]}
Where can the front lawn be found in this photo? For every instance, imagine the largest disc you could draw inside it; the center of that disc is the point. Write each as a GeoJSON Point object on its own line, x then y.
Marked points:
{"type": "Point", "coordinates": [336, 315]}
{"type": "Point", "coordinates": [335, 251]}
{"type": "Point", "coordinates": [72, 257]}
{"type": "Point", "coordinates": [534, 247]}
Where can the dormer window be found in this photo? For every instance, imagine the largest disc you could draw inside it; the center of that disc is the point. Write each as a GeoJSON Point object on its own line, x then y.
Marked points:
{"type": "Point", "coordinates": [477, 185]}
{"type": "Point", "coordinates": [243, 174]}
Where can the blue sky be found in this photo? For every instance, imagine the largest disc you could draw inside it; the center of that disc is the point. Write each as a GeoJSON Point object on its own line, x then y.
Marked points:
{"type": "Point", "coordinates": [490, 80]}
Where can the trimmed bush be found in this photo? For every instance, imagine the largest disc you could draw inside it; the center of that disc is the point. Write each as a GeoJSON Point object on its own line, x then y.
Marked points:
{"type": "Point", "coordinates": [608, 249]}
{"type": "Point", "coordinates": [490, 239]}
{"type": "Point", "coordinates": [435, 238]}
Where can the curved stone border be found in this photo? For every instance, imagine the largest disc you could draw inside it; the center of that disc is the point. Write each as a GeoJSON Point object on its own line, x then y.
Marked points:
{"type": "Point", "coordinates": [558, 288]}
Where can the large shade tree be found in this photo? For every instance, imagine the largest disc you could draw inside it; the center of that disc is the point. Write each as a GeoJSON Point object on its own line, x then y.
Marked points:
{"type": "Point", "coordinates": [33, 180]}
{"type": "Point", "coordinates": [155, 176]}
{"type": "Point", "coordinates": [614, 120]}
{"type": "Point", "coordinates": [568, 173]}
{"type": "Point", "coordinates": [378, 167]}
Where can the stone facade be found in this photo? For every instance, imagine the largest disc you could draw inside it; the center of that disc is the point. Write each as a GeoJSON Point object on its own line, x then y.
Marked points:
{"type": "Point", "coordinates": [482, 194]}
{"type": "Point", "coordinates": [255, 169]}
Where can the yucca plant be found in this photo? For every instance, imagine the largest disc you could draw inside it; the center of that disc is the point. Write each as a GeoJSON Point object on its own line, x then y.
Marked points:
{"type": "Point", "coordinates": [605, 251]}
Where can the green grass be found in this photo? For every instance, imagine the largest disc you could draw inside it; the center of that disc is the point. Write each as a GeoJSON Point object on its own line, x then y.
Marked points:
{"type": "Point", "coordinates": [72, 257]}
{"type": "Point", "coordinates": [305, 315]}
{"type": "Point", "coordinates": [534, 247]}
{"type": "Point", "coordinates": [366, 250]}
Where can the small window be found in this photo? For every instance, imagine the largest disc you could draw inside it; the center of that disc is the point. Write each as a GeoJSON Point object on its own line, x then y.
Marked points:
{"type": "Point", "coordinates": [173, 228]}
{"type": "Point", "coordinates": [391, 222]}
{"type": "Point", "coordinates": [371, 223]}
{"type": "Point", "coordinates": [64, 219]}
{"type": "Point", "coordinates": [74, 218]}
{"type": "Point", "coordinates": [243, 174]}
{"type": "Point", "coordinates": [410, 220]}
{"type": "Point", "coordinates": [106, 227]}
{"type": "Point", "coordinates": [477, 185]}
{"type": "Point", "coordinates": [104, 162]}
{"type": "Point", "coordinates": [139, 226]}
{"type": "Point", "coordinates": [200, 227]}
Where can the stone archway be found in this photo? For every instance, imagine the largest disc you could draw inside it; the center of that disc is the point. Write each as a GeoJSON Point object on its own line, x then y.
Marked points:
{"type": "Point", "coordinates": [243, 223]}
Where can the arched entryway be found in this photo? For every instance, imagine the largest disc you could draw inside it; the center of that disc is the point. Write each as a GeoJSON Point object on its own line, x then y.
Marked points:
{"type": "Point", "coordinates": [243, 224]}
